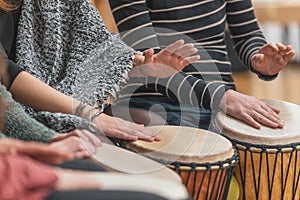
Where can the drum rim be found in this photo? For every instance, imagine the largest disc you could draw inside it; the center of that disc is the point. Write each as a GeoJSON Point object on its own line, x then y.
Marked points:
{"type": "Point", "coordinates": [134, 146]}
{"type": "Point", "coordinates": [239, 145]}
{"type": "Point", "coordinates": [219, 165]}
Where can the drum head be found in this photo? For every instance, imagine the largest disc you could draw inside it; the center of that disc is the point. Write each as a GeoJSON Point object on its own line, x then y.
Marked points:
{"type": "Point", "coordinates": [240, 131]}
{"type": "Point", "coordinates": [185, 144]}
{"type": "Point", "coordinates": [117, 159]}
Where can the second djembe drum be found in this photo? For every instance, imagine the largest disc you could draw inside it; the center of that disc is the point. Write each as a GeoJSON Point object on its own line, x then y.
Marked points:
{"type": "Point", "coordinates": [203, 159]}
{"type": "Point", "coordinates": [269, 167]}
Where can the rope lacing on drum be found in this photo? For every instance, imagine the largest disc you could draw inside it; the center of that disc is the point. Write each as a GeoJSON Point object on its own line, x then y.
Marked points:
{"type": "Point", "coordinates": [266, 154]}
{"type": "Point", "coordinates": [215, 177]}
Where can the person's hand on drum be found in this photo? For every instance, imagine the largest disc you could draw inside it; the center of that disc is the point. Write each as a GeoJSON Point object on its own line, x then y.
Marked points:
{"type": "Point", "coordinates": [38, 151]}
{"type": "Point", "coordinates": [165, 63]}
{"type": "Point", "coordinates": [78, 143]}
{"type": "Point", "coordinates": [118, 128]}
{"type": "Point", "coordinates": [250, 110]}
{"type": "Point", "coordinates": [272, 58]}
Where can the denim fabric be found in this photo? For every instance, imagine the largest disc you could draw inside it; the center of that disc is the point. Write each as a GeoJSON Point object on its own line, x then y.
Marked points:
{"type": "Point", "coordinates": [173, 112]}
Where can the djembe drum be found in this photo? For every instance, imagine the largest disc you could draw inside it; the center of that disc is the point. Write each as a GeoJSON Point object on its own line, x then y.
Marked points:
{"type": "Point", "coordinates": [204, 160]}
{"type": "Point", "coordinates": [146, 175]}
{"type": "Point", "coordinates": [269, 166]}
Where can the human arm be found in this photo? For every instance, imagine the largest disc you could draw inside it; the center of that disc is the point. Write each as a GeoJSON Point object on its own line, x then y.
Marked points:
{"type": "Point", "coordinates": [26, 175]}
{"type": "Point", "coordinates": [187, 89]}
{"type": "Point", "coordinates": [198, 92]}
{"type": "Point", "coordinates": [26, 178]}
{"type": "Point", "coordinates": [42, 152]}
{"type": "Point", "coordinates": [33, 92]}
{"type": "Point", "coordinates": [17, 124]}
{"type": "Point", "coordinates": [29, 90]}
{"type": "Point", "coordinates": [215, 96]}
{"type": "Point", "coordinates": [40, 96]}
{"type": "Point", "coordinates": [134, 24]}
{"type": "Point", "coordinates": [133, 16]}
{"type": "Point", "coordinates": [163, 64]}
{"type": "Point", "coordinates": [266, 60]}
{"type": "Point", "coordinates": [252, 47]}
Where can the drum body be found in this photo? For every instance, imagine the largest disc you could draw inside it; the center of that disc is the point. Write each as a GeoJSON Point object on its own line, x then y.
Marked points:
{"type": "Point", "coordinates": [269, 162]}
{"type": "Point", "coordinates": [207, 181]}
{"type": "Point", "coordinates": [204, 160]}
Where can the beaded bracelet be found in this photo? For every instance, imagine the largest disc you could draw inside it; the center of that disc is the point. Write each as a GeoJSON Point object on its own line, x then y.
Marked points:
{"type": "Point", "coordinates": [101, 105]}
{"type": "Point", "coordinates": [80, 108]}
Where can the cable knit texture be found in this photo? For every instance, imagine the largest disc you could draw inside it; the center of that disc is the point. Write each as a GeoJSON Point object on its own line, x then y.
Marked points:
{"type": "Point", "coordinates": [66, 45]}
{"type": "Point", "coordinates": [18, 124]}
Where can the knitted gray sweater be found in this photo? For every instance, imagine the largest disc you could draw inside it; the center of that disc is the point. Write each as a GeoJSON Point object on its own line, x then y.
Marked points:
{"type": "Point", "coordinates": [65, 44]}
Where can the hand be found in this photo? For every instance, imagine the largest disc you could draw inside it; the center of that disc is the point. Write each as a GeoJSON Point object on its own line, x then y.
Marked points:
{"type": "Point", "coordinates": [272, 58]}
{"type": "Point", "coordinates": [119, 128]}
{"type": "Point", "coordinates": [80, 143]}
{"type": "Point", "coordinates": [250, 110]}
{"type": "Point", "coordinates": [41, 152]}
{"type": "Point", "coordinates": [9, 146]}
{"type": "Point", "coordinates": [167, 62]}
{"type": "Point", "coordinates": [177, 55]}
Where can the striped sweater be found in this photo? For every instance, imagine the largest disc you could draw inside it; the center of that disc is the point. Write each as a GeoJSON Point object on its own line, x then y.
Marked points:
{"type": "Point", "coordinates": [156, 23]}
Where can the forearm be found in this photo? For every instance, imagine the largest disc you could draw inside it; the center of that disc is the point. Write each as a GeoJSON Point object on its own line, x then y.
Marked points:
{"type": "Point", "coordinates": [25, 178]}
{"type": "Point", "coordinates": [190, 90]}
{"type": "Point", "coordinates": [17, 124]}
{"type": "Point", "coordinates": [32, 92]}
{"type": "Point", "coordinates": [246, 34]}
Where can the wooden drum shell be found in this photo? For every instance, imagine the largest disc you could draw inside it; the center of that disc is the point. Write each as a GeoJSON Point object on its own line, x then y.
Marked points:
{"type": "Point", "coordinates": [268, 173]}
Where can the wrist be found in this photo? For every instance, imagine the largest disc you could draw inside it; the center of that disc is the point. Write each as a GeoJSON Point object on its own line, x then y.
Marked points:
{"type": "Point", "coordinates": [100, 108]}
{"type": "Point", "coordinates": [225, 98]}
{"type": "Point", "coordinates": [137, 71]}
{"type": "Point", "coordinates": [139, 59]}
{"type": "Point", "coordinates": [54, 138]}
{"type": "Point", "coordinates": [83, 110]}
{"type": "Point", "coordinates": [262, 75]}
{"type": "Point", "coordinates": [96, 113]}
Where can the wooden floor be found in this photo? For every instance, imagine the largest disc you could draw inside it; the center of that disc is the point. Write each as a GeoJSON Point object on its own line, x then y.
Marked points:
{"type": "Point", "coordinates": [286, 87]}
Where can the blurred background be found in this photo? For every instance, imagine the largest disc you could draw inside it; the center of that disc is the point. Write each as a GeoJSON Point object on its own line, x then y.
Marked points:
{"type": "Point", "coordinates": [280, 22]}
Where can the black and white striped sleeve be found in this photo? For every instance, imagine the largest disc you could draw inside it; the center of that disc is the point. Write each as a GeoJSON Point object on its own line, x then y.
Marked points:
{"type": "Point", "coordinates": [134, 24]}
{"type": "Point", "coordinates": [136, 28]}
{"type": "Point", "coordinates": [246, 34]}
{"type": "Point", "coordinates": [189, 90]}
